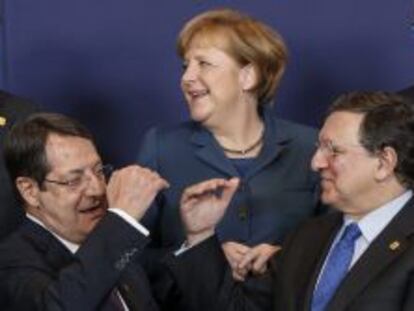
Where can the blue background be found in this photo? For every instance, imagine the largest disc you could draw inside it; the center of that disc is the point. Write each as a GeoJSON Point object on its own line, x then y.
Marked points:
{"type": "Point", "coordinates": [112, 63]}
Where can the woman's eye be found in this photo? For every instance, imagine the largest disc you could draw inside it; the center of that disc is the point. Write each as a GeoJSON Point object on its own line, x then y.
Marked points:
{"type": "Point", "coordinates": [203, 63]}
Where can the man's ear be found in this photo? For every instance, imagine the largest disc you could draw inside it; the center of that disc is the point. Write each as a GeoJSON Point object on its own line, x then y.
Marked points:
{"type": "Point", "coordinates": [29, 190]}
{"type": "Point", "coordinates": [248, 77]}
{"type": "Point", "coordinates": [388, 160]}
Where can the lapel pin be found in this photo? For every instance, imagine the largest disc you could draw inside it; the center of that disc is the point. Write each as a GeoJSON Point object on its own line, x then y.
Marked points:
{"type": "Point", "coordinates": [3, 121]}
{"type": "Point", "coordinates": [394, 245]}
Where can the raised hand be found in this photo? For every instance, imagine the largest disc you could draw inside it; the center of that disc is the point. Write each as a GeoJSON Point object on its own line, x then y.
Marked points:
{"type": "Point", "coordinates": [203, 205]}
{"type": "Point", "coordinates": [133, 189]}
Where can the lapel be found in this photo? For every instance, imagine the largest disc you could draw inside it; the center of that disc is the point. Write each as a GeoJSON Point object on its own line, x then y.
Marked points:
{"type": "Point", "coordinates": [325, 234]}
{"type": "Point", "coordinates": [135, 289]}
{"type": "Point", "coordinates": [210, 152]}
{"type": "Point", "coordinates": [54, 252]}
{"type": "Point", "coordinates": [276, 140]}
{"type": "Point", "coordinates": [129, 294]}
{"type": "Point", "coordinates": [387, 247]}
{"type": "Point", "coordinates": [57, 256]}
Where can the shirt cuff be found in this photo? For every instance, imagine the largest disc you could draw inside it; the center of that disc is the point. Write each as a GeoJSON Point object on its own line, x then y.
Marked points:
{"type": "Point", "coordinates": [129, 219]}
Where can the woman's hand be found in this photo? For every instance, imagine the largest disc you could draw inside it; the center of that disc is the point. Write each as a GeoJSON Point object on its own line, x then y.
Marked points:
{"type": "Point", "coordinates": [257, 258]}
{"type": "Point", "coordinates": [235, 253]}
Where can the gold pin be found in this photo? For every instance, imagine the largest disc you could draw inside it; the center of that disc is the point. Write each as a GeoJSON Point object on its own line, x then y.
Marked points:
{"type": "Point", "coordinates": [3, 121]}
{"type": "Point", "coordinates": [394, 245]}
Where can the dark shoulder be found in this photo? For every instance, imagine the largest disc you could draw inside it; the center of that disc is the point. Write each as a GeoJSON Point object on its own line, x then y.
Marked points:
{"type": "Point", "coordinates": [408, 93]}
{"type": "Point", "coordinates": [180, 129]}
{"type": "Point", "coordinates": [177, 134]}
{"type": "Point", "coordinates": [314, 229]}
{"type": "Point", "coordinates": [301, 138]}
{"type": "Point", "coordinates": [16, 250]}
{"type": "Point", "coordinates": [29, 245]}
{"type": "Point", "coordinates": [296, 129]}
{"type": "Point", "coordinates": [15, 107]}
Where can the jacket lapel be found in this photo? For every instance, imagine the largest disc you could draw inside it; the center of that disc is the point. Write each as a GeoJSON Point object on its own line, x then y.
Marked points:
{"type": "Point", "coordinates": [135, 290]}
{"type": "Point", "coordinates": [386, 248]}
{"type": "Point", "coordinates": [210, 152]}
{"type": "Point", "coordinates": [325, 235]}
{"type": "Point", "coordinates": [275, 142]}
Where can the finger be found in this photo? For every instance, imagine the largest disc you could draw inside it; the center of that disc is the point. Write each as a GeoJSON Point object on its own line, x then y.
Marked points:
{"type": "Point", "coordinates": [239, 276]}
{"type": "Point", "coordinates": [201, 188]}
{"type": "Point", "coordinates": [259, 265]}
{"type": "Point", "coordinates": [248, 259]}
{"type": "Point", "coordinates": [234, 250]}
{"type": "Point", "coordinates": [261, 271]}
{"type": "Point", "coordinates": [265, 252]}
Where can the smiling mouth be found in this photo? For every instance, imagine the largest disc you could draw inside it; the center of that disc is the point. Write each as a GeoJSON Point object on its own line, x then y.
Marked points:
{"type": "Point", "coordinates": [92, 209]}
{"type": "Point", "coordinates": [197, 94]}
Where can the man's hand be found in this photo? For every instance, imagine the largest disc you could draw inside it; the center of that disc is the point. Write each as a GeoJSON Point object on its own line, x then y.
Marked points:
{"type": "Point", "coordinates": [257, 258]}
{"type": "Point", "coordinates": [133, 189]}
{"type": "Point", "coordinates": [203, 205]}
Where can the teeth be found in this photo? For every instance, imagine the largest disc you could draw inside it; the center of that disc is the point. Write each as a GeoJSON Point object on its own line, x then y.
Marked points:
{"type": "Point", "coordinates": [197, 93]}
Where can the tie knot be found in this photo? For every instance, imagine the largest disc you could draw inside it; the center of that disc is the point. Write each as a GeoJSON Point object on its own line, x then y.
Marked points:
{"type": "Point", "coordinates": [351, 233]}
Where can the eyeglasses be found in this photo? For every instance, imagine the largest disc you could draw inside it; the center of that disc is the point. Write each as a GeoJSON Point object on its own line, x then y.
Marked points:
{"type": "Point", "coordinates": [331, 150]}
{"type": "Point", "coordinates": [102, 172]}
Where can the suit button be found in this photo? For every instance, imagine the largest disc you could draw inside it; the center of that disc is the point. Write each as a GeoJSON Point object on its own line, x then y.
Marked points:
{"type": "Point", "coordinates": [243, 213]}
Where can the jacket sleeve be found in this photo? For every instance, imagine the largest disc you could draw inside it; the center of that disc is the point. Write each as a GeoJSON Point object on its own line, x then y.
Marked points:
{"type": "Point", "coordinates": [83, 283]}
{"type": "Point", "coordinates": [202, 281]}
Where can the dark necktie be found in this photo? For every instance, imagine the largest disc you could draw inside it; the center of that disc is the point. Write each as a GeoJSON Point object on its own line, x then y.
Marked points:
{"type": "Point", "coordinates": [335, 268]}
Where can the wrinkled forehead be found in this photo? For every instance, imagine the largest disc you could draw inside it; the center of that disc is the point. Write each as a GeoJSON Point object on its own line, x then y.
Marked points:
{"type": "Point", "coordinates": [342, 127]}
{"type": "Point", "coordinates": [65, 154]}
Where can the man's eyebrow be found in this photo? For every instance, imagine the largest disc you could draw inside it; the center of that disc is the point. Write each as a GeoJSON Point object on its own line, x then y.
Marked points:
{"type": "Point", "coordinates": [82, 169]}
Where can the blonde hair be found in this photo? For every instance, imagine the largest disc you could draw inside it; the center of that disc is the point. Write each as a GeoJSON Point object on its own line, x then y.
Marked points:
{"type": "Point", "coordinates": [245, 39]}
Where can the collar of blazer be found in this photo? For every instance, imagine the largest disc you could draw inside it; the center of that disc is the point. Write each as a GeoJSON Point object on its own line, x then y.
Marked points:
{"type": "Point", "coordinates": [276, 139]}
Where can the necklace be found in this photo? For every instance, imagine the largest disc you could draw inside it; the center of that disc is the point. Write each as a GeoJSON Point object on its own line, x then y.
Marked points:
{"type": "Point", "coordinates": [247, 149]}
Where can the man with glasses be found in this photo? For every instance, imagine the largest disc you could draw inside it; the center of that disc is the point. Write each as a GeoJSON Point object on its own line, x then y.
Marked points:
{"type": "Point", "coordinates": [359, 258]}
{"type": "Point", "coordinates": [78, 247]}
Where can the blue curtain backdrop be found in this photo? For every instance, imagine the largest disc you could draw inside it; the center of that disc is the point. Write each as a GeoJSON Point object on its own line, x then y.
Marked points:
{"type": "Point", "coordinates": [112, 63]}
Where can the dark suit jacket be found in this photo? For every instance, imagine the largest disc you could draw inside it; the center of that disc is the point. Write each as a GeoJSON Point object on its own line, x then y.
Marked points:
{"type": "Point", "coordinates": [13, 109]}
{"type": "Point", "coordinates": [38, 273]}
{"type": "Point", "coordinates": [277, 193]}
{"type": "Point", "coordinates": [382, 279]}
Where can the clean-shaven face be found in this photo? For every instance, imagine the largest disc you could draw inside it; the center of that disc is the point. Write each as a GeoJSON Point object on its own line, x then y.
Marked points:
{"type": "Point", "coordinates": [211, 84]}
{"type": "Point", "coordinates": [72, 211]}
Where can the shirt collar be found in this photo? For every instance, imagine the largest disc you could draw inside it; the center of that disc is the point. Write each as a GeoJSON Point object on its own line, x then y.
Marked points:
{"type": "Point", "coordinates": [374, 222]}
{"type": "Point", "coordinates": [72, 247]}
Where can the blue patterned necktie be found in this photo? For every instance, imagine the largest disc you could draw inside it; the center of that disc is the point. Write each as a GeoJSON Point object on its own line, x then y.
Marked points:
{"type": "Point", "coordinates": [335, 268]}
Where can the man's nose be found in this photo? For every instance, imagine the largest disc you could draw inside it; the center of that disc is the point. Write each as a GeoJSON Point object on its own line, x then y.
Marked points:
{"type": "Point", "coordinates": [319, 160]}
{"type": "Point", "coordinates": [95, 185]}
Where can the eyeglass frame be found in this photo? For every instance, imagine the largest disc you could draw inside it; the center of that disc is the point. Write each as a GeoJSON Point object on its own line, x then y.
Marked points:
{"type": "Point", "coordinates": [102, 172]}
{"type": "Point", "coordinates": [332, 150]}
